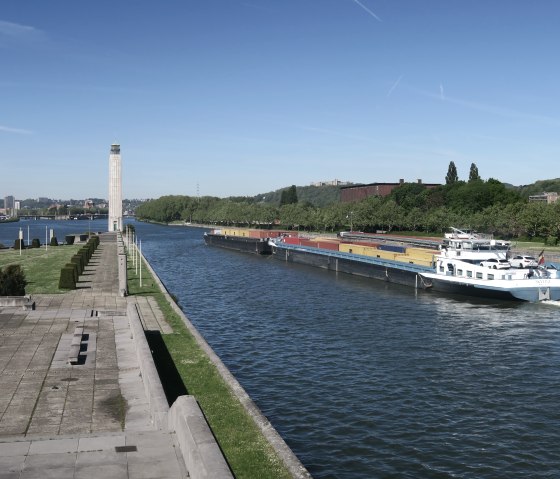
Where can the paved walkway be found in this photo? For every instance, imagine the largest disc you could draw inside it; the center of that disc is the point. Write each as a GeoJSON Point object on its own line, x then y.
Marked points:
{"type": "Point", "coordinates": [91, 419]}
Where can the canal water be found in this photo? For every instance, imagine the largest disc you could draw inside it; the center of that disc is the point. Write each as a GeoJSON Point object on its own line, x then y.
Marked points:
{"type": "Point", "coordinates": [364, 379]}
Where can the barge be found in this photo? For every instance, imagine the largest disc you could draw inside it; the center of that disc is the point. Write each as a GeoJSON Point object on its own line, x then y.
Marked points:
{"type": "Point", "coordinates": [239, 243]}
{"type": "Point", "coordinates": [408, 274]}
{"type": "Point", "coordinates": [457, 265]}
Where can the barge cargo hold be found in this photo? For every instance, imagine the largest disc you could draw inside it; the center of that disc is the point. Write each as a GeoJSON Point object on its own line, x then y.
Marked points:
{"type": "Point", "coordinates": [397, 272]}
{"type": "Point", "coordinates": [239, 243]}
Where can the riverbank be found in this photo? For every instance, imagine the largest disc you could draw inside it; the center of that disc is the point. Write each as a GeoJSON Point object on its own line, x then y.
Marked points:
{"type": "Point", "coordinates": [249, 442]}
{"type": "Point", "coordinates": [91, 410]}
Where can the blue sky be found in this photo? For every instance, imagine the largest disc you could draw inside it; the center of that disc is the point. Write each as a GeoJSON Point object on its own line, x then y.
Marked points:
{"type": "Point", "coordinates": [239, 97]}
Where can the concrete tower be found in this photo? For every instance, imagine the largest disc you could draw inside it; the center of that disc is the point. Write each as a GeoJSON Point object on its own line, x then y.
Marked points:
{"type": "Point", "coordinates": [115, 189]}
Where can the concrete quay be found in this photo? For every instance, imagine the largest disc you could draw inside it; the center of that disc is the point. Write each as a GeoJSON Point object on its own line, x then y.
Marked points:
{"type": "Point", "coordinates": [80, 396]}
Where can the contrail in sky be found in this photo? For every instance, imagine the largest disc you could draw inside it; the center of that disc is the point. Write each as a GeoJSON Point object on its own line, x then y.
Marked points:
{"type": "Point", "coordinates": [394, 86]}
{"type": "Point", "coordinates": [17, 30]}
{"type": "Point", "coordinates": [7, 129]}
{"type": "Point", "coordinates": [357, 2]}
{"type": "Point", "coordinates": [494, 110]}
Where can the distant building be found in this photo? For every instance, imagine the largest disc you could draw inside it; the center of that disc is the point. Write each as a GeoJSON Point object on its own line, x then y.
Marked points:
{"type": "Point", "coordinates": [545, 197]}
{"type": "Point", "coordinates": [88, 204]}
{"type": "Point", "coordinates": [352, 193]}
{"type": "Point", "coordinates": [115, 189]}
{"type": "Point", "coordinates": [17, 205]}
{"type": "Point", "coordinates": [9, 205]}
{"type": "Point", "coordinates": [331, 183]}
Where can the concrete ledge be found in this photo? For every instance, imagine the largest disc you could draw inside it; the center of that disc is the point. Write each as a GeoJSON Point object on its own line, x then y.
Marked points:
{"type": "Point", "coordinates": [159, 408]}
{"type": "Point", "coordinates": [201, 453]}
{"type": "Point", "coordinates": [24, 302]}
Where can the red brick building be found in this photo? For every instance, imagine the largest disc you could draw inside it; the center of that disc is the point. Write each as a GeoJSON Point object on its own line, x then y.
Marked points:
{"type": "Point", "coordinates": [352, 193]}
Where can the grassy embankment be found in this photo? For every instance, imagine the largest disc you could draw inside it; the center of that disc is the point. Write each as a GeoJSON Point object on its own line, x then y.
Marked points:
{"type": "Point", "coordinates": [247, 451]}
{"type": "Point", "coordinates": [42, 267]}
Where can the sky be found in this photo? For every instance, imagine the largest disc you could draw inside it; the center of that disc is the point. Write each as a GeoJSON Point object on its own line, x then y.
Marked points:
{"type": "Point", "coordinates": [240, 97]}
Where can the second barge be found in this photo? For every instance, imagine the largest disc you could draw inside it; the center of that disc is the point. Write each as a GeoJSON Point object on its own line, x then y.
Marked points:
{"type": "Point", "coordinates": [407, 274]}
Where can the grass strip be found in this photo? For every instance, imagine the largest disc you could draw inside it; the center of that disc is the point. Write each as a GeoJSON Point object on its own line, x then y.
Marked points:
{"type": "Point", "coordinates": [246, 450]}
{"type": "Point", "coordinates": [42, 267]}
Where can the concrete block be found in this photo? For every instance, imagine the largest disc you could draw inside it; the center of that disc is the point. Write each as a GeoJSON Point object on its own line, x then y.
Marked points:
{"type": "Point", "coordinates": [19, 448]}
{"type": "Point", "coordinates": [101, 443]}
{"type": "Point", "coordinates": [201, 453]}
{"type": "Point", "coordinates": [159, 407]}
{"type": "Point", "coordinates": [54, 446]}
{"type": "Point", "coordinates": [23, 302]}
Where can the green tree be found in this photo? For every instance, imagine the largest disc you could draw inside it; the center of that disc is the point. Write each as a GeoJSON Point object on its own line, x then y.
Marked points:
{"type": "Point", "coordinates": [296, 216]}
{"type": "Point", "coordinates": [452, 176]}
{"type": "Point", "coordinates": [366, 214]}
{"type": "Point", "coordinates": [535, 220]}
{"type": "Point", "coordinates": [391, 215]}
{"type": "Point", "coordinates": [413, 219]}
{"type": "Point", "coordinates": [289, 196]}
{"type": "Point", "coordinates": [409, 195]}
{"type": "Point", "coordinates": [473, 173]}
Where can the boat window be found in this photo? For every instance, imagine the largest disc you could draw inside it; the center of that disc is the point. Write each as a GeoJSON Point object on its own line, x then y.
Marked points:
{"type": "Point", "coordinates": [490, 276]}
{"type": "Point", "coordinates": [469, 274]}
{"type": "Point", "coordinates": [478, 275]}
{"type": "Point", "coordinates": [441, 268]}
{"type": "Point", "coordinates": [459, 272]}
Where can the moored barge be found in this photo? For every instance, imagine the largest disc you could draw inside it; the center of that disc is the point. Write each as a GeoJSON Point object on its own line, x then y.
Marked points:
{"type": "Point", "coordinates": [241, 239]}
{"type": "Point", "coordinates": [456, 265]}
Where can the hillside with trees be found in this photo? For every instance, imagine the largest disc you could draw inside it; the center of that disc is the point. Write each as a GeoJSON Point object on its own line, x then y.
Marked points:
{"type": "Point", "coordinates": [539, 187]}
{"type": "Point", "coordinates": [483, 205]}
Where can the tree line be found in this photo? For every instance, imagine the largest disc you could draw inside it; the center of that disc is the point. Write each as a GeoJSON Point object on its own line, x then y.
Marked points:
{"type": "Point", "coordinates": [486, 206]}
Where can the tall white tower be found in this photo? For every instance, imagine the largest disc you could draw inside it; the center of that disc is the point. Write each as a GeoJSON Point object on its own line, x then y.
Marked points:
{"type": "Point", "coordinates": [115, 189]}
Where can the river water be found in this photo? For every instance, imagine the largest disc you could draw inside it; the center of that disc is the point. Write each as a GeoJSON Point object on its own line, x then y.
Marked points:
{"type": "Point", "coordinates": [364, 379]}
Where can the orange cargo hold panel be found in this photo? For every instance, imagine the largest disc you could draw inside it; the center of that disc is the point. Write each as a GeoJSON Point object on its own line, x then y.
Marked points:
{"type": "Point", "coordinates": [330, 245]}
{"type": "Point", "coordinates": [291, 240]}
{"type": "Point", "coordinates": [305, 242]}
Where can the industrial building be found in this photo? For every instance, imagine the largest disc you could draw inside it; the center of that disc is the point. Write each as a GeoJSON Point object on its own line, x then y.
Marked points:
{"type": "Point", "coordinates": [353, 193]}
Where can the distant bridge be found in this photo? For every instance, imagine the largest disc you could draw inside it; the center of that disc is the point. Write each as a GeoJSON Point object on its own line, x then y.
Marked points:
{"type": "Point", "coordinates": [93, 216]}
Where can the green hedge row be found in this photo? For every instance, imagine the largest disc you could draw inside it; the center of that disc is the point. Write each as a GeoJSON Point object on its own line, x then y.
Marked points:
{"type": "Point", "coordinates": [35, 243]}
{"type": "Point", "coordinates": [70, 272]}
